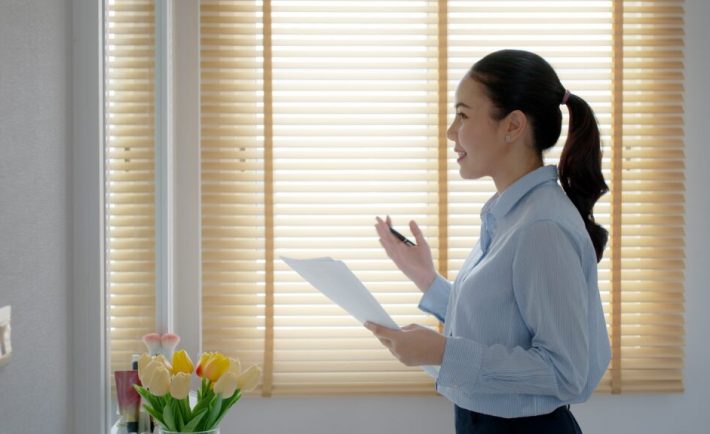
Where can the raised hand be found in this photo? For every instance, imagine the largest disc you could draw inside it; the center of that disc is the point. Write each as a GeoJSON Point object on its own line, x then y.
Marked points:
{"type": "Point", "coordinates": [414, 261]}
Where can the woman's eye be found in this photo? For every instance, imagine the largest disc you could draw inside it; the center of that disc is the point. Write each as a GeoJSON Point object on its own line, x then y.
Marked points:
{"type": "Point", "coordinates": [461, 115]}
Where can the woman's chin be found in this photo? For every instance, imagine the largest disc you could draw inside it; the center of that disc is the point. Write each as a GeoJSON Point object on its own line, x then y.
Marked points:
{"type": "Point", "coordinates": [469, 173]}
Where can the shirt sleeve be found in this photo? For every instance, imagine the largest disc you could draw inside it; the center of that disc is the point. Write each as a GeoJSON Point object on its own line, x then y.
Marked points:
{"type": "Point", "coordinates": [436, 299]}
{"type": "Point", "coordinates": [551, 293]}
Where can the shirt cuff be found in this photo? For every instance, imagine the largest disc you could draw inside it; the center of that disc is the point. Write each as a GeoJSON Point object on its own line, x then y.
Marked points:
{"type": "Point", "coordinates": [461, 363]}
{"type": "Point", "coordinates": [436, 299]}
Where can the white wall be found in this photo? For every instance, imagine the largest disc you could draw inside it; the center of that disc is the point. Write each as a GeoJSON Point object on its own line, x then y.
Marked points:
{"type": "Point", "coordinates": [628, 414]}
{"type": "Point", "coordinates": [34, 213]}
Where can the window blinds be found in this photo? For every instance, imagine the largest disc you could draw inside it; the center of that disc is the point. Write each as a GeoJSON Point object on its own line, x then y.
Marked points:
{"type": "Point", "coordinates": [316, 116]}
{"type": "Point", "coordinates": [129, 179]}
{"type": "Point", "coordinates": [354, 92]}
{"type": "Point", "coordinates": [354, 132]}
{"type": "Point", "coordinates": [648, 176]}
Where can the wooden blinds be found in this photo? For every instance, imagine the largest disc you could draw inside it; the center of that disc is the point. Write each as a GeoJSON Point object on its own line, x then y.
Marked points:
{"type": "Point", "coordinates": [130, 183]}
{"type": "Point", "coordinates": [348, 91]}
{"type": "Point", "coordinates": [317, 116]}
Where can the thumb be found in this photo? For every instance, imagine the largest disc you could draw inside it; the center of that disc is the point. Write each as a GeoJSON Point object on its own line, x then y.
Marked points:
{"type": "Point", "coordinates": [418, 235]}
{"type": "Point", "coordinates": [379, 330]}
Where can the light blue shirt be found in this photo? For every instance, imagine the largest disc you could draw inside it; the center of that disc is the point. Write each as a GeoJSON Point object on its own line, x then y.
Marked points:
{"type": "Point", "coordinates": [524, 325]}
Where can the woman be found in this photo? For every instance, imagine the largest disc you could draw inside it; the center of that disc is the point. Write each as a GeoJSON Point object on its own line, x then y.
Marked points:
{"type": "Point", "coordinates": [524, 333]}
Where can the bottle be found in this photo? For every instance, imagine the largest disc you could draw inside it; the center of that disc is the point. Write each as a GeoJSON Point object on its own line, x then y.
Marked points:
{"type": "Point", "coordinates": [133, 425]}
{"type": "Point", "coordinates": [134, 362]}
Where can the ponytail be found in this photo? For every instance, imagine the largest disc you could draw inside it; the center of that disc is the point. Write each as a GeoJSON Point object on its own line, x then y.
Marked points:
{"type": "Point", "coordinates": [520, 80]}
{"type": "Point", "coordinates": [580, 168]}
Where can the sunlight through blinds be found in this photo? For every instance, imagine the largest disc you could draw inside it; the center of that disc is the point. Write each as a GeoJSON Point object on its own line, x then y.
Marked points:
{"type": "Point", "coordinates": [129, 178]}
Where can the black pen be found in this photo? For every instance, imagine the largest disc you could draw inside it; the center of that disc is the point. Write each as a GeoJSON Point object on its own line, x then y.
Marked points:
{"type": "Point", "coordinates": [401, 237]}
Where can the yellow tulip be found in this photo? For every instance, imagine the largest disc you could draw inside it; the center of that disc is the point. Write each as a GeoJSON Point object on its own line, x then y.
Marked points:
{"type": "Point", "coordinates": [226, 385]}
{"type": "Point", "coordinates": [182, 363]}
{"type": "Point", "coordinates": [201, 364]}
{"type": "Point", "coordinates": [249, 378]}
{"type": "Point", "coordinates": [159, 382]}
{"type": "Point", "coordinates": [180, 385]}
{"type": "Point", "coordinates": [215, 367]}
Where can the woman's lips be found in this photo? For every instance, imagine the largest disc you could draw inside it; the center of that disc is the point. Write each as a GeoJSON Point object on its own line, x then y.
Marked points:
{"type": "Point", "coordinates": [461, 156]}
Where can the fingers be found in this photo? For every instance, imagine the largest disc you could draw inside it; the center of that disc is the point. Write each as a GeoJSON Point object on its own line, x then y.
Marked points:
{"type": "Point", "coordinates": [387, 240]}
{"type": "Point", "coordinates": [418, 235]}
{"type": "Point", "coordinates": [381, 331]}
{"type": "Point", "coordinates": [382, 229]}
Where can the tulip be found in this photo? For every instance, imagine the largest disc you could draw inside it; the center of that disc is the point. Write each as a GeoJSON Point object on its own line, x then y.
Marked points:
{"type": "Point", "coordinates": [168, 342]}
{"type": "Point", "coordinates": [146, 372]}
{"type": "Point", "coordinates": [159, 382]}
{"type": "Point", "coordinates": [215, 367]}
{"type": "Point", "coordinates": [234, 366]}
{"type": "Point", "coordinates": [226, 385]}
{"type": "Point", "coordinates": [182, 363]}
{"type": "Point", "coordinates": [249, 379]}
{"type": "Point", "coordinates": [201, 364]}
{"type": "Point", "coordinates": [146, 366]}
{"type": "Point", "coordinates": [180, 385]}
{"type": "Point", "coordinates": [143, 362]}
{"type": "Point", "coordinates": [165, 363]}
{"type": "Point", "coordinates": [152, 342]}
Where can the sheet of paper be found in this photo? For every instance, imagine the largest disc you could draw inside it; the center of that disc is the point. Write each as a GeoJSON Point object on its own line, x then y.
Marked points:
{"type": "Point", "coordinates": [335, 280]}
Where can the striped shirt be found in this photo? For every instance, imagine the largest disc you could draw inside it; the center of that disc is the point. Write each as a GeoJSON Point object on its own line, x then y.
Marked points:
{"type": "Point", "coordinates": [524, 325]}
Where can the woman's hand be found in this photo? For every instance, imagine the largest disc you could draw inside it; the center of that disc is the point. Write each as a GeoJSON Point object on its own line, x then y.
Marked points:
{"type": "Point", "coordinates": [412, 345]}
{"type": "Point", "coordinates": [414, 261]}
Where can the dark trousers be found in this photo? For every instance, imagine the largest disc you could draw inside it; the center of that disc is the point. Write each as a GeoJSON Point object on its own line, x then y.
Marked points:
{"type": "Point", "coordinates": [559, 421]}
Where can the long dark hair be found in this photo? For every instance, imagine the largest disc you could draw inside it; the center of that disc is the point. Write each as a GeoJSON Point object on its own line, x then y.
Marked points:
{"type": "Point", "coordinates": [520, 80]}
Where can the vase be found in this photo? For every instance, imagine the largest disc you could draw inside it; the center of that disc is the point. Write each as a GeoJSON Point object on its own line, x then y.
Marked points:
{"type": "Point", "coordinates": [212, 431]}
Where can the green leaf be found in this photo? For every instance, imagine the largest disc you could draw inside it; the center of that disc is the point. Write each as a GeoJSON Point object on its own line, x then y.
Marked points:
{"type": "Point", "coordinates": [187, 413]}
{"type": "Point", "coordinates": [179, 417]}
{"type": "Point", "coordinates": [227, 404]}
{"type": "Point", "coordinates": [202, 403]}
{"type": "Point", "coordinates": [169, 418]}
{"type": "Point", "coordinates": [214, 412]}
{"type": "Point", "coordinates": [190, 426]}
{"type": "Point", "coordinates": [159, 403]}
{"type": "Point", "coordinates": [154, 401]}
{"type": "Point", "coordinates": [209, 407]}
{"type": "Point", "coordinates": [201, 392]}
{"type": "Point", "coordinates": [156, 415]}
{"type": "Point", "coordinates": [179, 412]}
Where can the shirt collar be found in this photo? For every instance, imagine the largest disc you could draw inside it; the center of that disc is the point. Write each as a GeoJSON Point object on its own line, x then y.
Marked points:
{"type": "Point", "coordinates": [500, 204]}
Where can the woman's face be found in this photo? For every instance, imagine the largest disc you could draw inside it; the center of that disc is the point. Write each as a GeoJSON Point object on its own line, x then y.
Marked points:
{"type": "Point", "coordinates": [479, 139]}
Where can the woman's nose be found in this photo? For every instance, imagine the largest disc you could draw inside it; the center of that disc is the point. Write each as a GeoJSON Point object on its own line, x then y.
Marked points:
{"type": "Point", "coordinates": [450, 132]}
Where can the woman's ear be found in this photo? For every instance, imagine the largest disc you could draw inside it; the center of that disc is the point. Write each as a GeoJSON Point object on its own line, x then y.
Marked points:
{"type": "Point", "coordinates": [515, 126]}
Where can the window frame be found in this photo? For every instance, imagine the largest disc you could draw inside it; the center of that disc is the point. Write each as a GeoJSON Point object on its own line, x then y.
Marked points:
{"type": "Point", "coordinates": [88, 306]}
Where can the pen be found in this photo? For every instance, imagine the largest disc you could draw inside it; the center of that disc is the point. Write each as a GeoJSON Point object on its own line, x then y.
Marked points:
{"type": "Point", "coordinates": [401, 237]}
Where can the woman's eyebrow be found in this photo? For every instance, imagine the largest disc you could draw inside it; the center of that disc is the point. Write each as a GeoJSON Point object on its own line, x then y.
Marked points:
{"type": "Point", "coordinates": [460, 104]}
